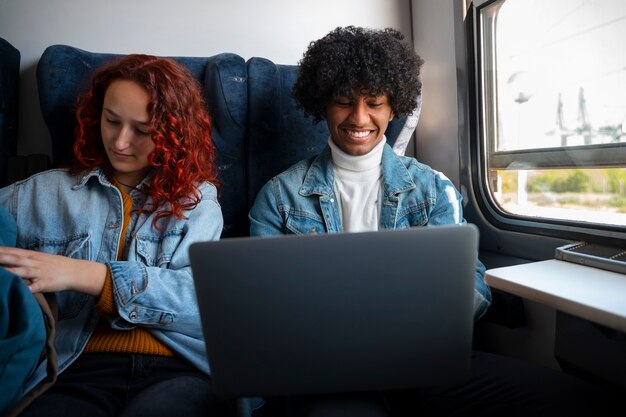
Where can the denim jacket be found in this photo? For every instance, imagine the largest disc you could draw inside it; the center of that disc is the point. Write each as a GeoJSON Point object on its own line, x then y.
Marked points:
{"type": "Point", "coordinates": [81, 217]}
{"type": "Point", "coordinates": [302, 200]}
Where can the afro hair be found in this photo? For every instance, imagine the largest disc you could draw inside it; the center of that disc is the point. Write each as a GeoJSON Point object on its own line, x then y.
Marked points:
{"type": "Point", "coordinates": [350, 59]}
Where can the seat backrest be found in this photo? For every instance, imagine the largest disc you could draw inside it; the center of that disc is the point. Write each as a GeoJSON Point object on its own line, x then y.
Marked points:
{"type": "Point", "coordinates": [279, 134]}
{"type": "Point", "coordinates": [225, 88]}
{"type": "Point", "coordinates": [9, 78]}
{"type": "Point", "coordinates": [257, 129]}
{"type": "Point", "coordinates": [64, 72]}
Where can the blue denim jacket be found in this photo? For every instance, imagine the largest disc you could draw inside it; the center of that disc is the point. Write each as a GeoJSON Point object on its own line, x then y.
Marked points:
{"type": "Point", "coordinates": [81, 217]}
{"type": "Point", "coordinates": [302, 200]}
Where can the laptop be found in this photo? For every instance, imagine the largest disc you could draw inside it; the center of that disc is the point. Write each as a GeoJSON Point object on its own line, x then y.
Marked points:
{"type": "Point", "coordinates": [313, 314]}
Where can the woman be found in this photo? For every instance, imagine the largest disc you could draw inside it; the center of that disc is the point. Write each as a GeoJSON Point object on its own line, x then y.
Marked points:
{"type": "Point", "coordinates": [110, 237]}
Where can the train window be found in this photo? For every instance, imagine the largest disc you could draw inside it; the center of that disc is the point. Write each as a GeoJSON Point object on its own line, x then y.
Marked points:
{"type": "Point", "coordinates": [552, 78]}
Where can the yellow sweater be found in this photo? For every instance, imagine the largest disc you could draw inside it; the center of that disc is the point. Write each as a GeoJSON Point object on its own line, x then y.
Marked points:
{"type": "Point", "coordinates": [105, 339]}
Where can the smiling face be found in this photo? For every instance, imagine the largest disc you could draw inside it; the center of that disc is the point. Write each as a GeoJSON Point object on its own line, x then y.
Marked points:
{"type": "Point", "coordinates": [358, 123]}
{"type": "Point", "coordinates": [124, 129]}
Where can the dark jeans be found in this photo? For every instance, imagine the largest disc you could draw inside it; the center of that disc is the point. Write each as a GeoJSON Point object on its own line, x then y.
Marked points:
{"type": "Point", "coordinates": [103, 384]}
{"type": "Point", "coordinates": [498, 386]}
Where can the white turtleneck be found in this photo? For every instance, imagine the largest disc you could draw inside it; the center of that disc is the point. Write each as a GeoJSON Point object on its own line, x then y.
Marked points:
{"type": "Point", "coordinates": [358, 187]}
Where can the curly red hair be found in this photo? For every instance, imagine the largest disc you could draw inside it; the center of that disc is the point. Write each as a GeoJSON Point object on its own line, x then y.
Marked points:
{"type": "Point", "coordinates": [180, 126]}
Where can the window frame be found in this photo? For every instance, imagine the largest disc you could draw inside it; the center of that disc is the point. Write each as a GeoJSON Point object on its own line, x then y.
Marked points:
{"type": "Point", "coordinates": [484, 156]}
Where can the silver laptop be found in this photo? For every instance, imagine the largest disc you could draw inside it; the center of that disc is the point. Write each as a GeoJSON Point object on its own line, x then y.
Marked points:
{"type": "Point", "coordinates": [332, 313]}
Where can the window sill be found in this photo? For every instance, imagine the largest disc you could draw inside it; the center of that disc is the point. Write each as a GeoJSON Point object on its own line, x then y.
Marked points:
{"type": "Point", "coordinates": [593, 294]}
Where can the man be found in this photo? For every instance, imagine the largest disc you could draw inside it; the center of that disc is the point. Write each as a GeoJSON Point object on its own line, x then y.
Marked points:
{"type": "Point", "coordinates": [358, 80]}
{"type": "Point", "coordinates": [358, 183]}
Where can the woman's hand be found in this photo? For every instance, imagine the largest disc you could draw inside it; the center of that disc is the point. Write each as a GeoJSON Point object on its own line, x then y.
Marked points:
{"type": "Point", "coordinates": [43, 272]}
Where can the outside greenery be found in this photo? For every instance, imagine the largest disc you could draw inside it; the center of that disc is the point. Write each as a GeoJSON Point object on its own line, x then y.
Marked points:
{"type": "Point", "coordinates": [599, 190]}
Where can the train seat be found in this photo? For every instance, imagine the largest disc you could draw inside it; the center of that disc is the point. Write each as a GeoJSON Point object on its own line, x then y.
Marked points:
{"type": "Point", "coordinates": [9, 79]}
{"type": "Point", "coordinates": [258, 131]}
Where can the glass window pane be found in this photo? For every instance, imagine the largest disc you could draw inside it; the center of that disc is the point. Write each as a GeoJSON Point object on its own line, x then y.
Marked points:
{"type": "Point", "coordinates": [561, 73]}
{"type": "Point", "coordinates": [553, 88]}
{"type": "Point", "coordinates": [586, 195]}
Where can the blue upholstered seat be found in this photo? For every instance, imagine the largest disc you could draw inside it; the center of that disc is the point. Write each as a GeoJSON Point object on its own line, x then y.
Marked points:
{"type": "Point", "coordinates": [279, 134]}
{"type": "Point", "coordinates": [64, 72]}
{"type": "Point", "coordinates": [258, 131]}
{"type": "Point", "coordinates": [9, 76]}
